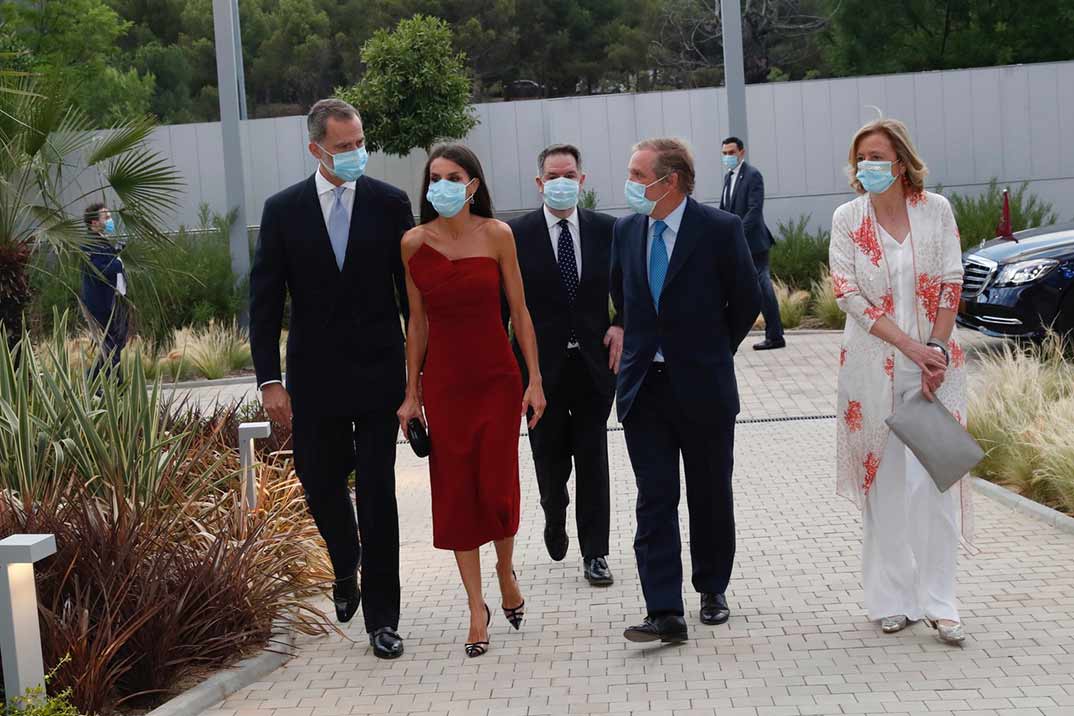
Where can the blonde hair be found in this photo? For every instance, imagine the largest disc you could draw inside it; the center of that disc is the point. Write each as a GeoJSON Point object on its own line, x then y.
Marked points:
{"type": "Point", "coordinates": [673, 156]}
{"type": "Point", "coordinates": [899, 136]}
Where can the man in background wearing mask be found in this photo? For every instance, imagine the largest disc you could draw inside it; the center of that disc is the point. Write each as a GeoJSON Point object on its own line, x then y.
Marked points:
{"type": "Point", "coordinates": [104, 287]}
{"type": "Point", "coordinates": [332, 242]}
{"type": "Point", "coordinates": [564, 253]}
{"type": "Point", "coordinates": [683, 279]}
{"type": "Point", "coordinates": [743, 195]}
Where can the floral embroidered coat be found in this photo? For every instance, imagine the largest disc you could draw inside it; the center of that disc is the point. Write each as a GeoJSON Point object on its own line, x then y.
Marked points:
{"type": "Point", "coordinates": [862, 282]}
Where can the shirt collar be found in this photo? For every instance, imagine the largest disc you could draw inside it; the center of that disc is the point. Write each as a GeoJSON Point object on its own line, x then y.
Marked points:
{"type": "Point", "coordinates": [324, 186]}
{"type": "Point", "coordinates": [552, 220]}
{"type": "Point", "coordinates": [674, 219]}
{"type": "Point", "coordinates": [737, 167]}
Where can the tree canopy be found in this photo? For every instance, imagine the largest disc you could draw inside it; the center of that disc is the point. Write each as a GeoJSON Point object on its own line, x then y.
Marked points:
{"type": "Point", "coordinates": [130, 56]}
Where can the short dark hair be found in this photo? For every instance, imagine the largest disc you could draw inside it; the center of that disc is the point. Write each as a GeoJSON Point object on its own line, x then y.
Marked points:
{"type": "Point", "coordinates": [736, 141]}
{"type": "Point", "coordinates": [317, 120]}
{"type": "Point", "coordinates": [558, 149]}
{"type": "Point", "coordinates": [93, 212]}
{"type": "Point", "coordinates": [465, 158]}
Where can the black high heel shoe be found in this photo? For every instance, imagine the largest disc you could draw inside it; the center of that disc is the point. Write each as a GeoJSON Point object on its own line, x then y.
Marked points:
{"type": "Point", "coordinates": [478, 648]}
{"type": "Point", "coordinates": [515, 615]}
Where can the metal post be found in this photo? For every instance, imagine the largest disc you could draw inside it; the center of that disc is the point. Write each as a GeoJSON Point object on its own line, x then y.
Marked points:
{"type": "Point", "coordinates": [240, 72]}
{"type": "Point", "coordinates": [20, 631]}
{"type": "Point", "coordinates": [248, 432]}
{"type": "Point", "coordinates": [734, 68]}
{"type": "Point", "coordinates": [235, 192]}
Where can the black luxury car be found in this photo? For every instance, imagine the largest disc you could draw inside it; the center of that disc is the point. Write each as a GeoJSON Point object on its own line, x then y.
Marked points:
{"type": "Point", "coordinates": [1019, 289]}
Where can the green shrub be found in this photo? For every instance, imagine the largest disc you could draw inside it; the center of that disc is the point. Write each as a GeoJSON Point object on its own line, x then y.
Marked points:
{"type": "Point", "coordinates": [977, 216]}
{"type": "Point", "coordinates": [161, 574]}
{"type": "Point", "coordinates": [825, 309]}
{"type": "Point", "coordinates": [793, 304]}
{"type": "Point", "coordinates": [187, 282]}
{"type": "Point", "coordinates": [799, 257]}
{"type": "Point", "coordinates": [1022, 413]}
{"type": "Point", "coordinates": [588, 199]}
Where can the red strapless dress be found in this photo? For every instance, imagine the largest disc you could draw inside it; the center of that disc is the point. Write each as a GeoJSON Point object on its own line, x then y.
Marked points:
{"type": "Point", "coordinates": [472, 390]}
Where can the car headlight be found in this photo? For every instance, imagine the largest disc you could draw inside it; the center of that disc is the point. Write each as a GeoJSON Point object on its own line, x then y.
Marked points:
{"type": "Point", "coordinates": [1023, 272]}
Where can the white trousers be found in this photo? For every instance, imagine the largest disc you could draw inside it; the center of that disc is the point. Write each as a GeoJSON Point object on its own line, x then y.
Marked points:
{"type": "Point", "coordinates": [910, 550]}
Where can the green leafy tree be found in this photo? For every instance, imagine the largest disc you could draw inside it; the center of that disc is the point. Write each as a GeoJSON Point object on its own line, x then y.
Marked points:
{"type": "Point", "coordinates": [76, 41]}
{"type": "Point", "coordinates": [868, 37]}
{"type": "Point", "coordinates": [415, 91]}
{"type": "Point", "coordinates": [43, 140]}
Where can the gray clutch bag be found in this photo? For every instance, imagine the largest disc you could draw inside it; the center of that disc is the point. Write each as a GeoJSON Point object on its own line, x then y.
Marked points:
{"type": "Point", "coordinates": [933, 435]}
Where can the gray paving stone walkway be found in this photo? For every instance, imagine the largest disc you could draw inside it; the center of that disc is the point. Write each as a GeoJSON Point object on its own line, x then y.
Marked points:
{"type": "Point", "coordinates": [797, 644]}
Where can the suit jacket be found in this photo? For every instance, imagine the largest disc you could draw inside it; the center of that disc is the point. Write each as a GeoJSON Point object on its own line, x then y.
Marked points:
{"type": "Point", "coordinates": [553, 316]}
{"type": "Point", "coordinates": [99, 276]}
{"type": "Point", "coordinates": [345, 348]}
{"type": "Point", "coordinates": [708, 304]}
{"type": "Point", "coordinates": [747, 202]}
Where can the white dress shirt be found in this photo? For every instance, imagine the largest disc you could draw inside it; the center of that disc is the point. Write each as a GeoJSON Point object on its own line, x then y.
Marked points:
{"type": "Point", "coordinates": [327, 198]}
{"type": "Point", "coordinates": [673, 221]}
{"type": "Point", "coordinates": [576, 238]}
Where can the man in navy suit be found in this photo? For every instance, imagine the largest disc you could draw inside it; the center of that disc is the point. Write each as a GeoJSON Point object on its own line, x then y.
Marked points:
{"type": "Point", "coordinates": [331, 242]}
{"type": "Point", "coordinates": [103, 289]}
{"type": "Point", "coordinates": [743, 196]}
{"type": "Point", "coordinates": [564, 252]}
{"type": "Point", "coordinates": [683, 280]}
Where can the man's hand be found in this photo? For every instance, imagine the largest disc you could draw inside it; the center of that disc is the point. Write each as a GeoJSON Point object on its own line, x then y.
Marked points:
{"type": "Point", "coordinates": [613, 341]}
{"type": "Point", "coordinates": [277, 403]}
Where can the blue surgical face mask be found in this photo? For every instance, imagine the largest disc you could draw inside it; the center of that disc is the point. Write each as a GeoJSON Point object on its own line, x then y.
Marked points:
{"type": "Point", "coordinates": [875, 177]}
{"type": "Point", "coordinates": [730, 161]}
{"type": "Point", "coordinates": [561, 193]}
{"type": "Point", "coordinates": [109, 226]}
{"type": "Point", "coordinates": [348, 166]}
{"type": "Point", "coordinates": [635, 196]}
{"type": "Point", "coordinates": [447, 197]}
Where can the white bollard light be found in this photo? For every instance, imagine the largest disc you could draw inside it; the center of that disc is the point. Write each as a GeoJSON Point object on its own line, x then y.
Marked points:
{"type": "Point", "coordinates": [248, 432]}
{"type": "Point", "coordinates": [20, 631]}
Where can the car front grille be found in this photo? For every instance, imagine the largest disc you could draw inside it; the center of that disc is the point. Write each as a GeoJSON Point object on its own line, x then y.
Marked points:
{"type": "Point", "coordinates": [979, 272]}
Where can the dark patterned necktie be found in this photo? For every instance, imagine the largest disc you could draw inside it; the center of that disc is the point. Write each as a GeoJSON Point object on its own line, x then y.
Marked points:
{"type": "Point", "coordinates": [568, 267]}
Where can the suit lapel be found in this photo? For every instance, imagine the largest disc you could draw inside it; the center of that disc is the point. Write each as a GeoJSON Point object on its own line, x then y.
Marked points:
{"type": "Point", "coordinates": [641, 235]}
{"type": "Point", "coordinates": [321, 248]}
{"type": "Point", "coordinates": [541, 242]}
{"type": "Point", "coordinates": [360, 216]}
{"type": "Point", "coordinates": [739, 180]}
{"type": "Point", "coordinates": [685, 241]}
{"type": "Point", "coordinates": [589, 260]}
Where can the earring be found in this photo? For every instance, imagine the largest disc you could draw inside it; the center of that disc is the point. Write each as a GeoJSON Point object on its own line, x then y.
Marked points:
{"type": "Point", "coordinates": [471, 199]}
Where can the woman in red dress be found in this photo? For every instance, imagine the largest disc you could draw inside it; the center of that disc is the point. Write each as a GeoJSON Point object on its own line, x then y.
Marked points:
{"type": "Point", "coordinates": [457, 262]}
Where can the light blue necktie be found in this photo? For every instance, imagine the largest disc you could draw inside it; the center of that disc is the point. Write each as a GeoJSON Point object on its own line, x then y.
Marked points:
{"type": "Point", "coordinates": [658, 262]}
{"type": "Point", "coordinates": [339, 227]}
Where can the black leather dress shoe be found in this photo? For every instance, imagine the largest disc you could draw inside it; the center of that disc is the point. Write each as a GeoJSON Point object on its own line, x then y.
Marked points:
{"type": "Point", "coordinates": [767, 345]}
{"type": "Point", "coordinates": [386, 643]}
{"type": "Point", "coordinates": [714, 609]}
{"type": "Point", "coordinates": [670, 629]}
{"type": "Point", "coordinates": [597, 571]}
{"type": "Point", "coordinates": [556, 540]}
{"type": "Point", "coordinates": [347, 596]}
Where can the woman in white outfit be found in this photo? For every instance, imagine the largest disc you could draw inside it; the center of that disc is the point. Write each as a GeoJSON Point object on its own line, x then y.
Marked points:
{"type": "Point", "coordinates": [897, 272]}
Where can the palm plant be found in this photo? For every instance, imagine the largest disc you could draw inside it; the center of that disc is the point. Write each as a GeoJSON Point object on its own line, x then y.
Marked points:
{"type": "Point", "coordinates": [52, 163]}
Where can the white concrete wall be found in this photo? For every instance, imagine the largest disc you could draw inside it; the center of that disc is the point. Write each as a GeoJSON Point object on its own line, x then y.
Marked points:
{"type": "Point", "coordinates": [1014, 123]}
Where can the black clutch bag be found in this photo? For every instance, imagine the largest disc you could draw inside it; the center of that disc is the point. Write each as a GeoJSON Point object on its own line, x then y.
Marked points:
{"type": "Point", "coordinates": [418, 437]}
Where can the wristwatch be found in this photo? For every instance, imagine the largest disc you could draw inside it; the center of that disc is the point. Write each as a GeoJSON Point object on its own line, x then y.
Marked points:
{"type": "Point", "coordinates": [942, 348]}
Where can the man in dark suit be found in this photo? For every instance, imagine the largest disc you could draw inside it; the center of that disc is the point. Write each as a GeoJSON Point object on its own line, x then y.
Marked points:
{"type": "Point", "coordinates": [332, 242]}
{"type": "Point", "coordinates": [743, 195]}
{"type": "Point", "coordinates": [686, 287]}
{"type": "Point", "coordinates": [104, 287]}
{"type": "Point", "coordinates": [565, 253]}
